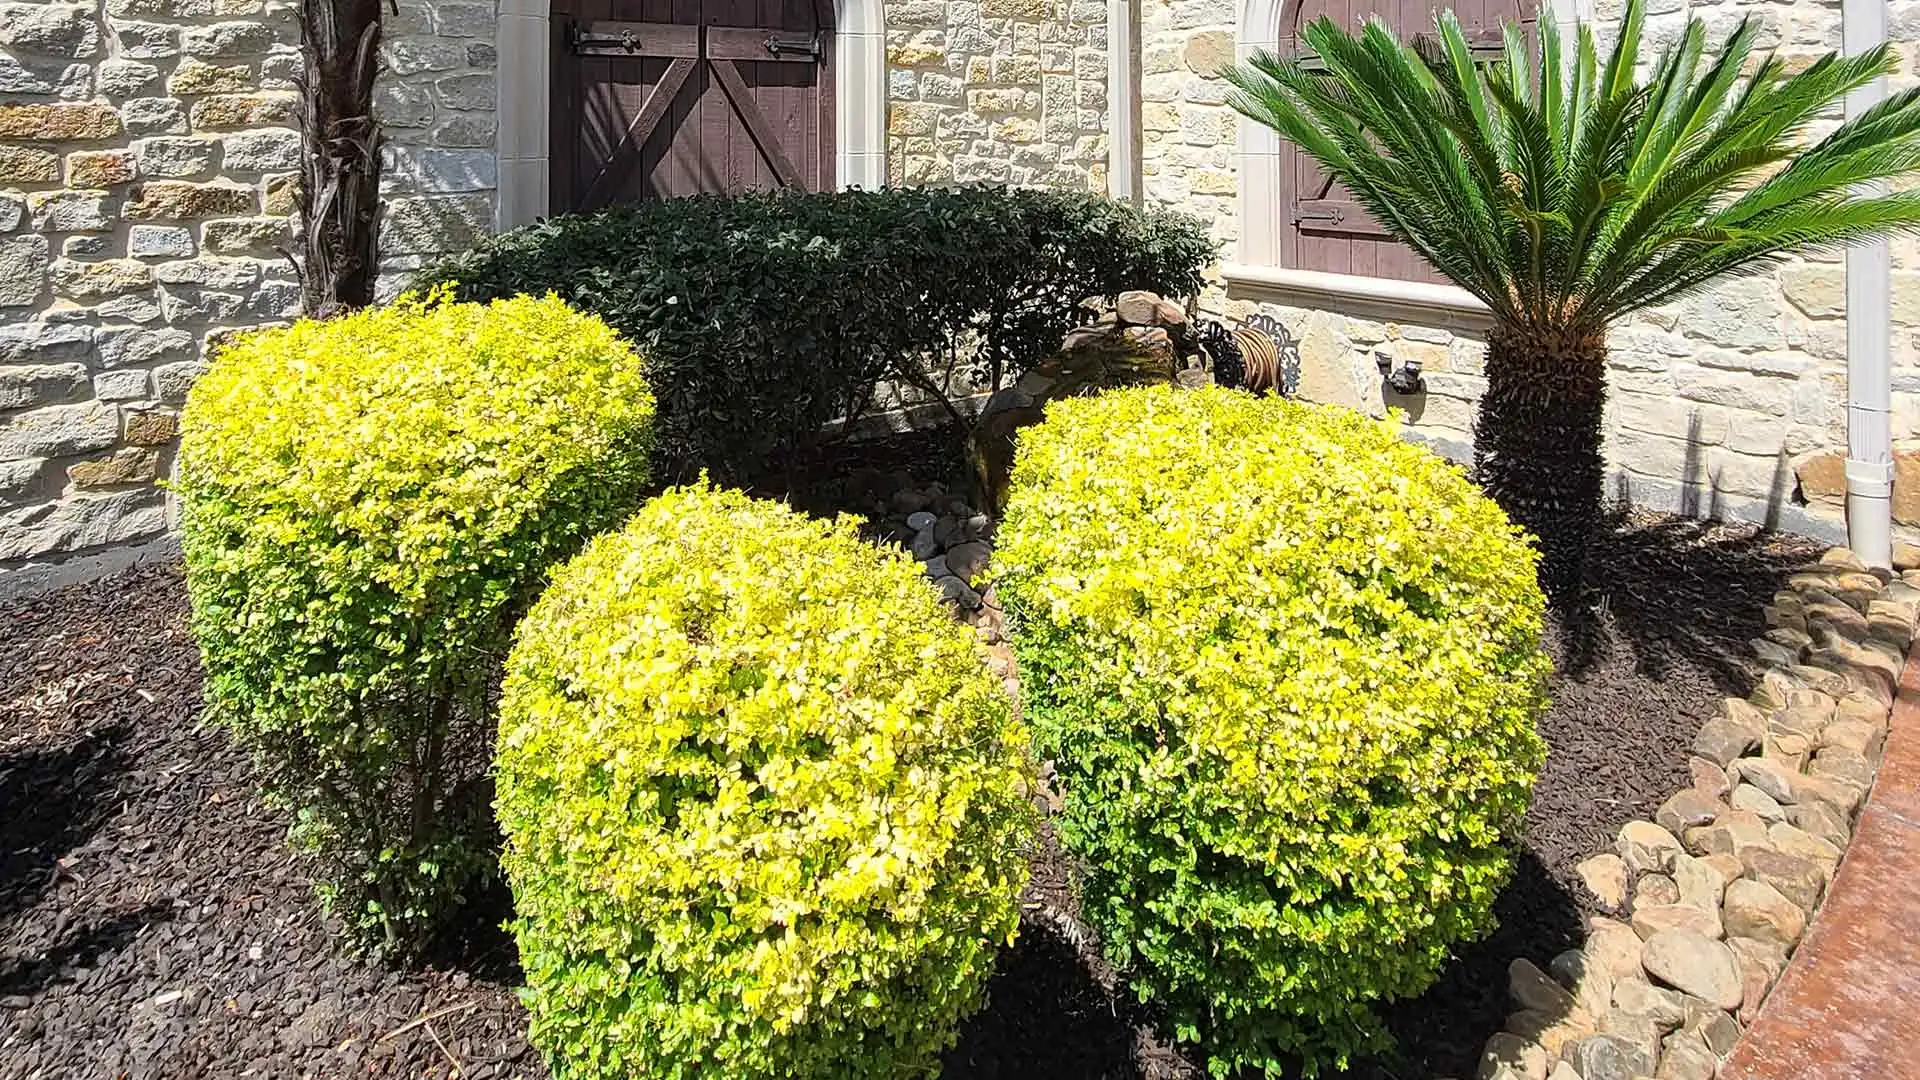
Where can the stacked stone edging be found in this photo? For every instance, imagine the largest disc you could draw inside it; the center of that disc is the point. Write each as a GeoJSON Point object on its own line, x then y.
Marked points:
{"type": "Point", "coordinates": [1713, 896]}
{"type": "Point", "coordinates": [1844, 1008]}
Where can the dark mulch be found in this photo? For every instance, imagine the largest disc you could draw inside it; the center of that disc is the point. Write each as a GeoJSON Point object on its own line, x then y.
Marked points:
{"type": "Point", "coordinates": [152, 925]}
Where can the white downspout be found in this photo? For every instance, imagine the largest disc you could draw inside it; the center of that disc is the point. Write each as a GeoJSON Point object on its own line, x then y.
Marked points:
{"type": "Point", "coordinates": [1869, 468]}
{"type": "Point", "coordinates": [1123, 100]}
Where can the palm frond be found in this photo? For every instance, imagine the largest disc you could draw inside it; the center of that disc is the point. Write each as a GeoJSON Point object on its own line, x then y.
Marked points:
{"type": "Point", "coordinates": [1565, 190]}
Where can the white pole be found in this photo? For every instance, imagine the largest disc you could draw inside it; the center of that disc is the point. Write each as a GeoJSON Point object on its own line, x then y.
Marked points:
{"type": "Point", "coordinates": [1869, 468]}
{"type": "Point", "coordinates": [1123, 101]}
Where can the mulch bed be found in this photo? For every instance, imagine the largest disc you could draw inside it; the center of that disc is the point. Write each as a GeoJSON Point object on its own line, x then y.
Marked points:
{"type": "Point", "coordinates": [152, 924]}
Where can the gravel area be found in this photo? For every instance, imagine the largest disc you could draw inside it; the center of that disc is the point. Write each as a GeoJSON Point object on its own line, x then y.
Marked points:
{"type": "Point", "coordinates": [152, 925]}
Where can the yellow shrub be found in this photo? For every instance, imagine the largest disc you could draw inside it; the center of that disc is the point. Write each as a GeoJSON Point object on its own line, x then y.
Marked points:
{"type": "Point", "coordinates": [763, 803]}
{"type": "Point", "coordinates": [369, 503]}
{"type": "Point", "coordinates": [1288, 666]}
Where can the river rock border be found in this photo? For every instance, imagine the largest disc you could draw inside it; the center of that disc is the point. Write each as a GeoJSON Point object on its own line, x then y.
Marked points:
{"type": "Point", "coordinates": [1711, 898]}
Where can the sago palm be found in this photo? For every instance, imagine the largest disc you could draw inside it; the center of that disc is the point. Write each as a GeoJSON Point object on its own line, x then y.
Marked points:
{"type": "Point", "coordinates": [1566, 192]}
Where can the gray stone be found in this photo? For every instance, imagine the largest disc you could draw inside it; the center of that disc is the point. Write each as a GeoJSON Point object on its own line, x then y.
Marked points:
{"type": "Point", "coordinates": [410, 168]}
{"type": "Point", "coordinates": [920, 520]}
{"type": "Point", "coordinates": [59, 430]}
{"type": "Point", "coordinates": [1686, 1060]}
{"type": "Point", "coordinates": [1666, 1009]}
{"type": "Point", "coordinates": [969, 560]}
{"type": "Point", "coordinates": [69, 211]}
{"type": "Point", "coordinates": [1750, 798]}
{"type": "Point", "coordinates": [190, 304]}
{"type": "Point", "coordinates": [41, 384]}
{"type": "Point", "coordinates": [80, 523]}
{"type": "Point", "coordinates": [1694, 964]}
{"type": "Point", "coordinates": [44, 342]}
{"type": "Point", "coordinates": [172, 381]}
{"type": "Point", "coordinates": [433, 224]}
{"type": "Point", "coordinates": [1772, 777]}
{"type": "Point", "coordinates": [12, 212]}
{"type": "Point", "coordinates": [410, 57]}
{"type": "Point", "coordinates": [211, 272]}
{"type": "Point", "coordinates": [464, 20]}
{"type": "Point", "coordinates": [1723, 739]}
{"type": "Point", "coordinates": [126, 78]}
{"type": "Point", "coordinates": [958, 592]}
{"type": "Point", "coordinates": [1514, 1056]}
{"type": "Point", "coordinates": [403, 105]}
{"type": "Point", "coordinates": [85, 247]}
{"type": "Point", "coordinates": [160, 241]}
{"type": "Point", "coordinates": [1533, 989]}
{"type": "Point", "coordinates": [23, 269]}
{"type": "Point", "coordinates": [44, 78]}
{"type": "Point", "coordinates": [154, 116]}
{"type": "Point", "coordinates": [936, 567]}
{"type": "Point", "coordinates": [126, 385]}
{"type": "Point", "coordinates": [1607, 1057]}
{"type": "Point", "coordinates": [177, 158]}
{"type": "Point", "coordinates": [466, 91]}
{"type": "Point", "coordinates": [71, 32]}
{"type": "Point", "coordinates": [271, 150]}
{"type": "Point", "coordinates": [474, 129]}
{"type": "Point", "coordinates": [227, 39]}
{"type": "Point", "coordinates": [131, 347]}
{"type": "Point", "coordinates": [147, 41]}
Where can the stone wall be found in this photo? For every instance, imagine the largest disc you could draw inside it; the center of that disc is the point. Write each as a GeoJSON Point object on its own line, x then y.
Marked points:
{"type": "Point", "coordinates": [997, 91]}
{"type": "Point", "coordinates": [145, 161]}
{"type": "Point", "coordinates": [1733, 402]}
{"type": "Point", "coordinates": [436, 101]}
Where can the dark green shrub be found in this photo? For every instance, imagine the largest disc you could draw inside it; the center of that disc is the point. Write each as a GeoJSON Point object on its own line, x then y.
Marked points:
{"type": "Point", "coordinates": [1288, 667]}
{"type": "Point", "coordinates": [765, 806]}
{"type": "Point", "coordinates": [368, 504]}
{"type": "Point", "coordinates": [764, 317]}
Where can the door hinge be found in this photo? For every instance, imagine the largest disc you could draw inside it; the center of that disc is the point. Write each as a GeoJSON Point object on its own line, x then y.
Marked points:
{"type": "Point", "coordinates": [1333, 215]}
{"type": "Point", "coordinates": [579, 39]}
{"type": "Point", "coordinates": [809, 44]}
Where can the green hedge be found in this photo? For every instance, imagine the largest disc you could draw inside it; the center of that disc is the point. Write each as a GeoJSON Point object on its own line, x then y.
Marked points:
{"type": "Point", "coordinates": [1288, 666]}
{"type": "Point", "coordinates": [763, 317]}
{"type": "Point", "coordinates": [367, 505]}
{"type": "Point", "coordinates": [764, 804]}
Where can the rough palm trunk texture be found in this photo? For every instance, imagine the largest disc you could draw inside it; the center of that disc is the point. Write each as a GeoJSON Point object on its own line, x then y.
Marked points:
{"type": "Point", "coordinates": [1537, 442]}
{"type": "Point", "coordinates": [340, 166]}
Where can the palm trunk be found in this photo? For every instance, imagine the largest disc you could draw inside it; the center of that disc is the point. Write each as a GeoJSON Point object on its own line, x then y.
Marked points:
{"type": "Point", "coordinates": [340, 170]}
{"type": "Point", "coordinates": [1537, 442]}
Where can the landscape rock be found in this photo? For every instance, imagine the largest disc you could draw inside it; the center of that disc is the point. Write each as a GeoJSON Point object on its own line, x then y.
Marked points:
{"type": "Point", "coordinates": [1708, 778]}
{"type": "Point", "coordinates": [1607, 1057]}
{"type": "Point", "coordinates": [1756, 910]}
{"type": "Point", "coordinates": [1505, 1049]}
{"type": "Point", "coordinates": [1750, 798]}
{"type": "Point", "coordinates": [1799, 880]}
{"type": "Point", "coordinates": [1615, 946]}
{"type": "Point", "coordinates": [1651, 920]}
{"type": "Point", "coordinates": [1686, 809]}
{"type": "Point", "coordinates": [1700, 883]}
{"type": "Point", "coordinates": [1646, 847]}
{"type": "Point", "coordinates": [1694, 963]}
{"type": "Point", "coordinates": [1655, 889]}
{"type": "Point", "coordinates": [1533, 989]}
{"type": "Point", "coordinates": [1605, 876]}
{"type": "Point", "coordinates": [1638, 997]}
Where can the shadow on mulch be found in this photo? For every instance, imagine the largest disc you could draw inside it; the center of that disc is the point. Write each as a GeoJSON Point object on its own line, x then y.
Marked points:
{"type": "Point", "coordinates": [70, 790]}
{"type": "Point", "coordinates": [182, 941]}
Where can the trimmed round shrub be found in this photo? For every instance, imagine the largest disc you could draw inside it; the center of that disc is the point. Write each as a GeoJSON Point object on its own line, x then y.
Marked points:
{"type": "Point", "coordinates": [764, 316]}
{"type": "Point", "coordinates": [1288, 666]}
{"type": "Point", "coordinates": [368, 504]}
{"type": "Point", "coordinates": [765, 807]}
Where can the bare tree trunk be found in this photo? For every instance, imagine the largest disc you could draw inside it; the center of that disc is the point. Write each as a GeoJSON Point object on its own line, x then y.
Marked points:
{"type": "Point", "coordinates": [340, 167]}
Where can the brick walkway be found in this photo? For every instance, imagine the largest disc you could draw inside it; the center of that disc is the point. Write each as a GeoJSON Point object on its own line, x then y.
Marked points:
{"type": "Point", "coordinates": [1848, 1007]}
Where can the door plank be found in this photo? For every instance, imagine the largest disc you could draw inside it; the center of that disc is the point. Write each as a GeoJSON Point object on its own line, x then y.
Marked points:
{"type": "Point", "coordinates": [763, 134]}
{"type": "Point", "coordinates": [642, 127]}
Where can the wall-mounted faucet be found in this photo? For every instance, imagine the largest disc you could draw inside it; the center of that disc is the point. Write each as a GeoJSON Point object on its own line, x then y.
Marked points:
{"type": "Point", "coordinates": [1402, 380]}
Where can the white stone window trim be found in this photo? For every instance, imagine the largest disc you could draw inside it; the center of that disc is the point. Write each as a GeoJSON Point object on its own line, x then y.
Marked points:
{"type": "Point", "coordinates": [524, 38]}
{"type": "Point", "coordinates": [1256, 272]}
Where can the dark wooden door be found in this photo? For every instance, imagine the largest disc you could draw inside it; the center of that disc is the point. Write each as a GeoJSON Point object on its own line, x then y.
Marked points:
{"type": "Point", "coordinates": [657, 98]}
{"type": "Point", "coordinates": [1325, 228]}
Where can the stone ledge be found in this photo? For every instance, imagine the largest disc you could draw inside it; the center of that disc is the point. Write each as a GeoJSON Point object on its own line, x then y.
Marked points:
{"type": "Point", "coordinates": [1845, 1007]}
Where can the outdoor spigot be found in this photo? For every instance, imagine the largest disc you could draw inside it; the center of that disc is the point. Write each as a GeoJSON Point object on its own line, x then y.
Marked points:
{"type": "Point", "coordinates": [1402, 380]}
